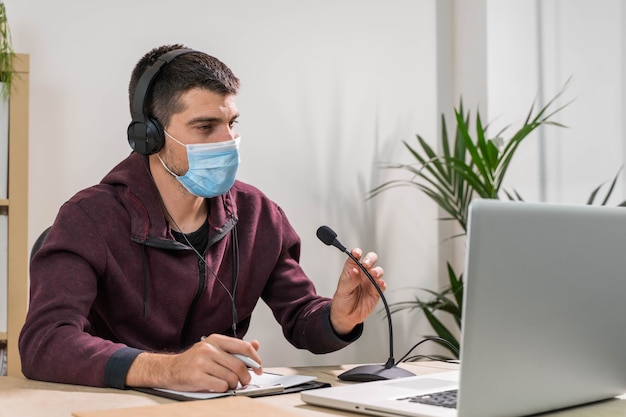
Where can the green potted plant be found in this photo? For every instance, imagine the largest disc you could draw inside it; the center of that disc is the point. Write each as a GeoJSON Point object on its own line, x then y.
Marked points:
{"type": "Point", "coordinates": [469, 165]}
{"type": "Point", "coordinates": [7, 54]}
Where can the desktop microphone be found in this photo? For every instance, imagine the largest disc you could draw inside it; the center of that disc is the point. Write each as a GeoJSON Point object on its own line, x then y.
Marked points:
{"type": "Point", "coordinates": [365, 373]}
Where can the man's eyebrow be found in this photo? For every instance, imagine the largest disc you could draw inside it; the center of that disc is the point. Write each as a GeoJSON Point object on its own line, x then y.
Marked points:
{"type": "Point", "coordinates": [198, 120]}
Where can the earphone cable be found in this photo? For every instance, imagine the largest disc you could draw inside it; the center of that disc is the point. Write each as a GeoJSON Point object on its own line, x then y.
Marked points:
{"type": "Point", "coordinates": [235, 243]}
{"type": "Point", "coordinates": [231, 295]}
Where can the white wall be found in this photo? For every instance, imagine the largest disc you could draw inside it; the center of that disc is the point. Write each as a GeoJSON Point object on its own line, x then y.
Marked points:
{"type": "Point", "coordinates": [581, 41]}
{"type": "Point", "coordinates": [329, 89]}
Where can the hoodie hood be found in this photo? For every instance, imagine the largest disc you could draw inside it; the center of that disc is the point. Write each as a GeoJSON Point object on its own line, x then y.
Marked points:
{"type": "Point", "coordinates": [138, 193]}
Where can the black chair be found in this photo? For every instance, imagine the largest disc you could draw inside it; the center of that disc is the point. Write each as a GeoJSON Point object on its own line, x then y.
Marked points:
{"type": "Point", "coordinates": [39, 242]}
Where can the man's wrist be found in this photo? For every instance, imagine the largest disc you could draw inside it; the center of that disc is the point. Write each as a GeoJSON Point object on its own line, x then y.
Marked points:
{"type": "Point", "coordinates": [147, 370]}
{"type": "Point", "coordinates": [341, 327]}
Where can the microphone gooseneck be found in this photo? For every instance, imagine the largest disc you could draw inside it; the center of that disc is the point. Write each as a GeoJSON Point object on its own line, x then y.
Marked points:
{"type": "Point", "coordinates": [366, 373]}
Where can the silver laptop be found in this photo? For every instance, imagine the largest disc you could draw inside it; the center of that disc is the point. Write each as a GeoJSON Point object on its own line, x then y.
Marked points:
{"type": "Point", "coordinates": [544, 323]}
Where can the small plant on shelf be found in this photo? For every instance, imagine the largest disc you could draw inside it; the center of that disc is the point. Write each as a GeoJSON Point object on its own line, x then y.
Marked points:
{"type": "Point", "coordinates": [7, 54]}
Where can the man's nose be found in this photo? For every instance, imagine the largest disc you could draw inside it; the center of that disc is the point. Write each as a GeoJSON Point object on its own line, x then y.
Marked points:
{"type": "Point", "coordinates": [228, 133]}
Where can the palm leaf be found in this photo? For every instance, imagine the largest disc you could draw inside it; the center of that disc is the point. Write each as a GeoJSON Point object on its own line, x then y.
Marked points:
{"type": "Point", "coordinates": [594, 193]}
{"type": "Point", "coordinates": [464, 168]}
{"type": "Point", "coordinates": [442, 331]}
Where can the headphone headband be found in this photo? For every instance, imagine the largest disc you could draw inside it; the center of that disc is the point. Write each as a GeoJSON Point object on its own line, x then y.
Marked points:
{"type": "Point", "coordinates": [145, 134]}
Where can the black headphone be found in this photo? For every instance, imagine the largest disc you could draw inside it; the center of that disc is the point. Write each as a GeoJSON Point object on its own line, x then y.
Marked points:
{"type": "Point", "coordinates": [145, 134]}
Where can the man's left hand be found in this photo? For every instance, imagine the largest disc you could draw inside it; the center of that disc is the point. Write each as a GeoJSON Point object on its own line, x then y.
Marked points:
{"type": "Point", "coordinates": [355, 297]}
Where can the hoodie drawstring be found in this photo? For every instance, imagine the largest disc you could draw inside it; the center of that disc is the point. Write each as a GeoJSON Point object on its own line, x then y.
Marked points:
{"type": "Point", "coordinates": [145, 281]}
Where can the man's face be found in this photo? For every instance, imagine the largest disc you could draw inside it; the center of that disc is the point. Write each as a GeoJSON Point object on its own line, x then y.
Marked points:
{"type": "Point", "coordinates": [207, 117]}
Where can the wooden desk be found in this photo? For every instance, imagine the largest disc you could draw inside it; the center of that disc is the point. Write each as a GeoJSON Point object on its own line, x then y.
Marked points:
{"type": "Point", "coordinates": [20, 397]}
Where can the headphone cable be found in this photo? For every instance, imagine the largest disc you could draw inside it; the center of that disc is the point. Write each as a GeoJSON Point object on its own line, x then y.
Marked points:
{"type": "Point", "coordinates": [235, 243]}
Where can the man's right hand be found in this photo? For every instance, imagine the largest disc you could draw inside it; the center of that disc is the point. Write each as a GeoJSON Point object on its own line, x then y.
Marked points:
{"type": "Point", "coordinates": [209, 365]}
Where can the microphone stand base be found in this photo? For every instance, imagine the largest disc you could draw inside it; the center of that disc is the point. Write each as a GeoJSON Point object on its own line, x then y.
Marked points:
{"type": "Point", "coordinates": [367, 373]}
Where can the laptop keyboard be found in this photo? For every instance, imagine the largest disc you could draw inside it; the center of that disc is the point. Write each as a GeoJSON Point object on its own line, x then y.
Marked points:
{"type": "Point", "coordinates": [443, 399]}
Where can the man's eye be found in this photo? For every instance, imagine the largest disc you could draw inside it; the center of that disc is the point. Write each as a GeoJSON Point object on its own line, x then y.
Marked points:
{"type": "Point", "coordinates": [231, 124]}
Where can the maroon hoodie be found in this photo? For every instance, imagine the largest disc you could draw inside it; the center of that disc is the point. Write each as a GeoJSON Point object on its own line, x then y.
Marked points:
{"type": "Point", "coordinates": [111, 281]}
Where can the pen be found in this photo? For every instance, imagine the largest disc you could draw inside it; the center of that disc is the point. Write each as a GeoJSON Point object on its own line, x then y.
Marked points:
{"type": "Point", "coordinates": [248, 361]}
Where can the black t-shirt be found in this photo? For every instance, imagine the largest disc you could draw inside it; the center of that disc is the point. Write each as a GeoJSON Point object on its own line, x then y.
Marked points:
{"type": "Point", "coordinates": [198, 239]}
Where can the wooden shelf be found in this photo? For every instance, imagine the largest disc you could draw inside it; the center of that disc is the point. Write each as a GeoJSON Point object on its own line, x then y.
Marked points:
{"type": "Point", "coordinates": [17, 205]}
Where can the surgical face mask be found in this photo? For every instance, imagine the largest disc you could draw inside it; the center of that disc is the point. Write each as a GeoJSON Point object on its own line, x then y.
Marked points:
{"type": "Point", "coordinates": [212, 167]}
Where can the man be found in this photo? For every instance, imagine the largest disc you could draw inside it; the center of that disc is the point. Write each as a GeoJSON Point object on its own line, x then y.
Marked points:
{"type": "Point", "coordinates": [150, 277]}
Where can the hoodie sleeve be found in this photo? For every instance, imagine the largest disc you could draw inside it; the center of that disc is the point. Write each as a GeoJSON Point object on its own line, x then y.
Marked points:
{"type": "Point", "coordinates": [55, 343]}
{"type": "Point", "coordinates": [303, 314]}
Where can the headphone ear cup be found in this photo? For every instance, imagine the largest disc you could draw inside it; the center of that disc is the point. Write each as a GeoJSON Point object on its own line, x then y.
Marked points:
{"type": "Point", "coordinates": [146, 138]}
{"type": "Point", "coordinates": [146, 135]}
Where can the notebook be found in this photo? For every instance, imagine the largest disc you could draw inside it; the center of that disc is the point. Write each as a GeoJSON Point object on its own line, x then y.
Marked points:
{"type": "Point", "coordinates": [259, 386]}
{"type": "Point", "coordinates": [544, 322]}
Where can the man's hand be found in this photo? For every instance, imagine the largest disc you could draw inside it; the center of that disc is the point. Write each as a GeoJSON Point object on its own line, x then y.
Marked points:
{"type": "Point", "coordinates": [208, 365]}
{"type": "Point", "coordinates": [355, 297]}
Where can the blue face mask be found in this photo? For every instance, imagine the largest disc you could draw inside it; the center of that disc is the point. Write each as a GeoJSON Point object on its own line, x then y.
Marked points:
{"type": "Point", "coordinates": [212, 167]}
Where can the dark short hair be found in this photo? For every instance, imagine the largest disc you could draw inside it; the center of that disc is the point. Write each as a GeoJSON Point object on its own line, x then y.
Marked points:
{"type": "Point", "coordinates": [185, 72]}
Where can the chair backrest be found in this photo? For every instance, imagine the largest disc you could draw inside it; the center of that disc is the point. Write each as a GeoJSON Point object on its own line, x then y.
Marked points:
{"type": "Point", "coordinates": [39, 242]}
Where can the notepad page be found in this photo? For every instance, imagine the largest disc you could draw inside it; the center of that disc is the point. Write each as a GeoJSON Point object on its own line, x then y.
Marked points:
{"type": "Point", "coordinates": [258, 383]}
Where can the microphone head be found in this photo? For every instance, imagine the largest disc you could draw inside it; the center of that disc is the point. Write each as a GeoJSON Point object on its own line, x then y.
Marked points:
{"type": "Point", "coordinates": [326, 235]}
{"type": "Point", "coordinates": [329, 237]}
